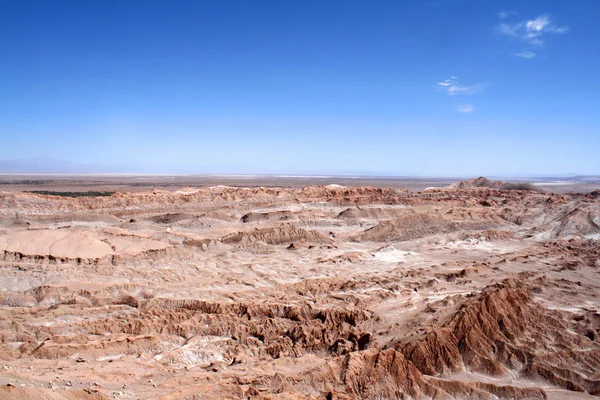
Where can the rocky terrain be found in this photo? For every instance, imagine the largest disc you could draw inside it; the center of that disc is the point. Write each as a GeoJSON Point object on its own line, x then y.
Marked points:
{"type": "Point", "coordinates": [478, 290]}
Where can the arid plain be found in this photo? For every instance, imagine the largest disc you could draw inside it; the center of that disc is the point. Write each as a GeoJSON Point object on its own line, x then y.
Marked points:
{"type": "Point", "coordinates": [326, 289]}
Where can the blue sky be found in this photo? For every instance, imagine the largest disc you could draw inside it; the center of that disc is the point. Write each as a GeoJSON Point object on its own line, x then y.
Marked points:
{"type": "Point", "coordinates": [437, 88]}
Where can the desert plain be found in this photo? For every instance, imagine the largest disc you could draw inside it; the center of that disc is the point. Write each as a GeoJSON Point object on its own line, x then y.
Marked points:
{"type": "Point", "coordinates": [247, 288]}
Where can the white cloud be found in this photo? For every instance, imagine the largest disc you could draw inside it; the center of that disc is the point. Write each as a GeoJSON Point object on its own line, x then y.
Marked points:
{"type": "Point", "coordinates": [537, 25]}
{"type": "Point", "coordinates": [532, 30]}
{"type": "Point", "coordinates": [453, 87]}
{"type": "Point", "coordinates": [525, 54]}
{"type": "Point", "coordinates": [465, 109]}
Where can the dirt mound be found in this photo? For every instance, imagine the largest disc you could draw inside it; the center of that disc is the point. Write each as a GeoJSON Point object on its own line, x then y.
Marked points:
{"type": "Point", "coordinates": [350, 257]}
{"type": "Point", "coordinates": [417, 225]}
{"type": "Point", "coordinates": [406, 228]}
{"type": "Point", "coordinates": [482, 182]}
{"type": "Point", "coordinates": [74, 246]}
{"type": "Point", "coordinates": [57, 243]}
{"type": "Point", "coordinates": [573, 253]}
{"type": "Point", "coordinates": [489, 235]}
{"type": "Point", "coordinates": [373, 213]}
{"type": "Point", "coordinates": [191, 220]}
{"type": "Point", "coordinates": [169, 218]}
{"type": "Point", "coordinates": [284, 234]}
{"type": "Point", "coordinates": [11, 392]}
{"type": "Point", "coordinates": [580, 219]}
{"type": "Point", "coordinates": [267, 216]}
{"type": "Point", "coordinates": [203, 244]}
{"type": "Point", "coordinates": [503, 330]}
{"type": "Point", "coordinates": [458, 276]}
{"type": "Point", "coordinates": [414, 226]}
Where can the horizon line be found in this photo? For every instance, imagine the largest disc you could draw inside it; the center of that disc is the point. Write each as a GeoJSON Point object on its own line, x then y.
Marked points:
{"type": "Point", "coordinates": [324, 176]}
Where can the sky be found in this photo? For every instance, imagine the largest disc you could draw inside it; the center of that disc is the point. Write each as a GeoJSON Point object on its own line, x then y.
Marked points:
{"type": "Point", "coordinates": [414, 88]}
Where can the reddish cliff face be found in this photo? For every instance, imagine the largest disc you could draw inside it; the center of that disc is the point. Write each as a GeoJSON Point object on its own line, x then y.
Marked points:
{"type": "Point", "coordinates": [502, 331]}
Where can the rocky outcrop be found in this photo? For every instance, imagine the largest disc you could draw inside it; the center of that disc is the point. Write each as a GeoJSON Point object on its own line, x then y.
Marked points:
{"type": "Point", "coordinates": [283, 234]}
{"type": "Point", "coordinates": [387, 374]}
{"type": "Point", "coordinates": [503, 330]}
{"type": "Point", "coordinates": [482, 182]}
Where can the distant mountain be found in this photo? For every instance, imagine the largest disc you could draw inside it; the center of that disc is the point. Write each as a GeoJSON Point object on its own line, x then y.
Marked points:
{"type": "Point", "coordinates": [48, 165]}
{"type": "Point", "coordinates": [43, 165]}
{"type": "Point", "coordinates": [482, 182]}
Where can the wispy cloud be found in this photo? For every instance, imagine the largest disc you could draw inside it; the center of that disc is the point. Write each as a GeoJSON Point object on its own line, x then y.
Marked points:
{"type": "Point", "coordinates": [465, 109]}
{"type": "Point", "coordinates": [528, 55]}
{"type": "Point", "coordinates": [453, 87]}
{"type": "Point", "coordinates": [506, 14]}
{"type": "Point", "coordinates": [532, 30]}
